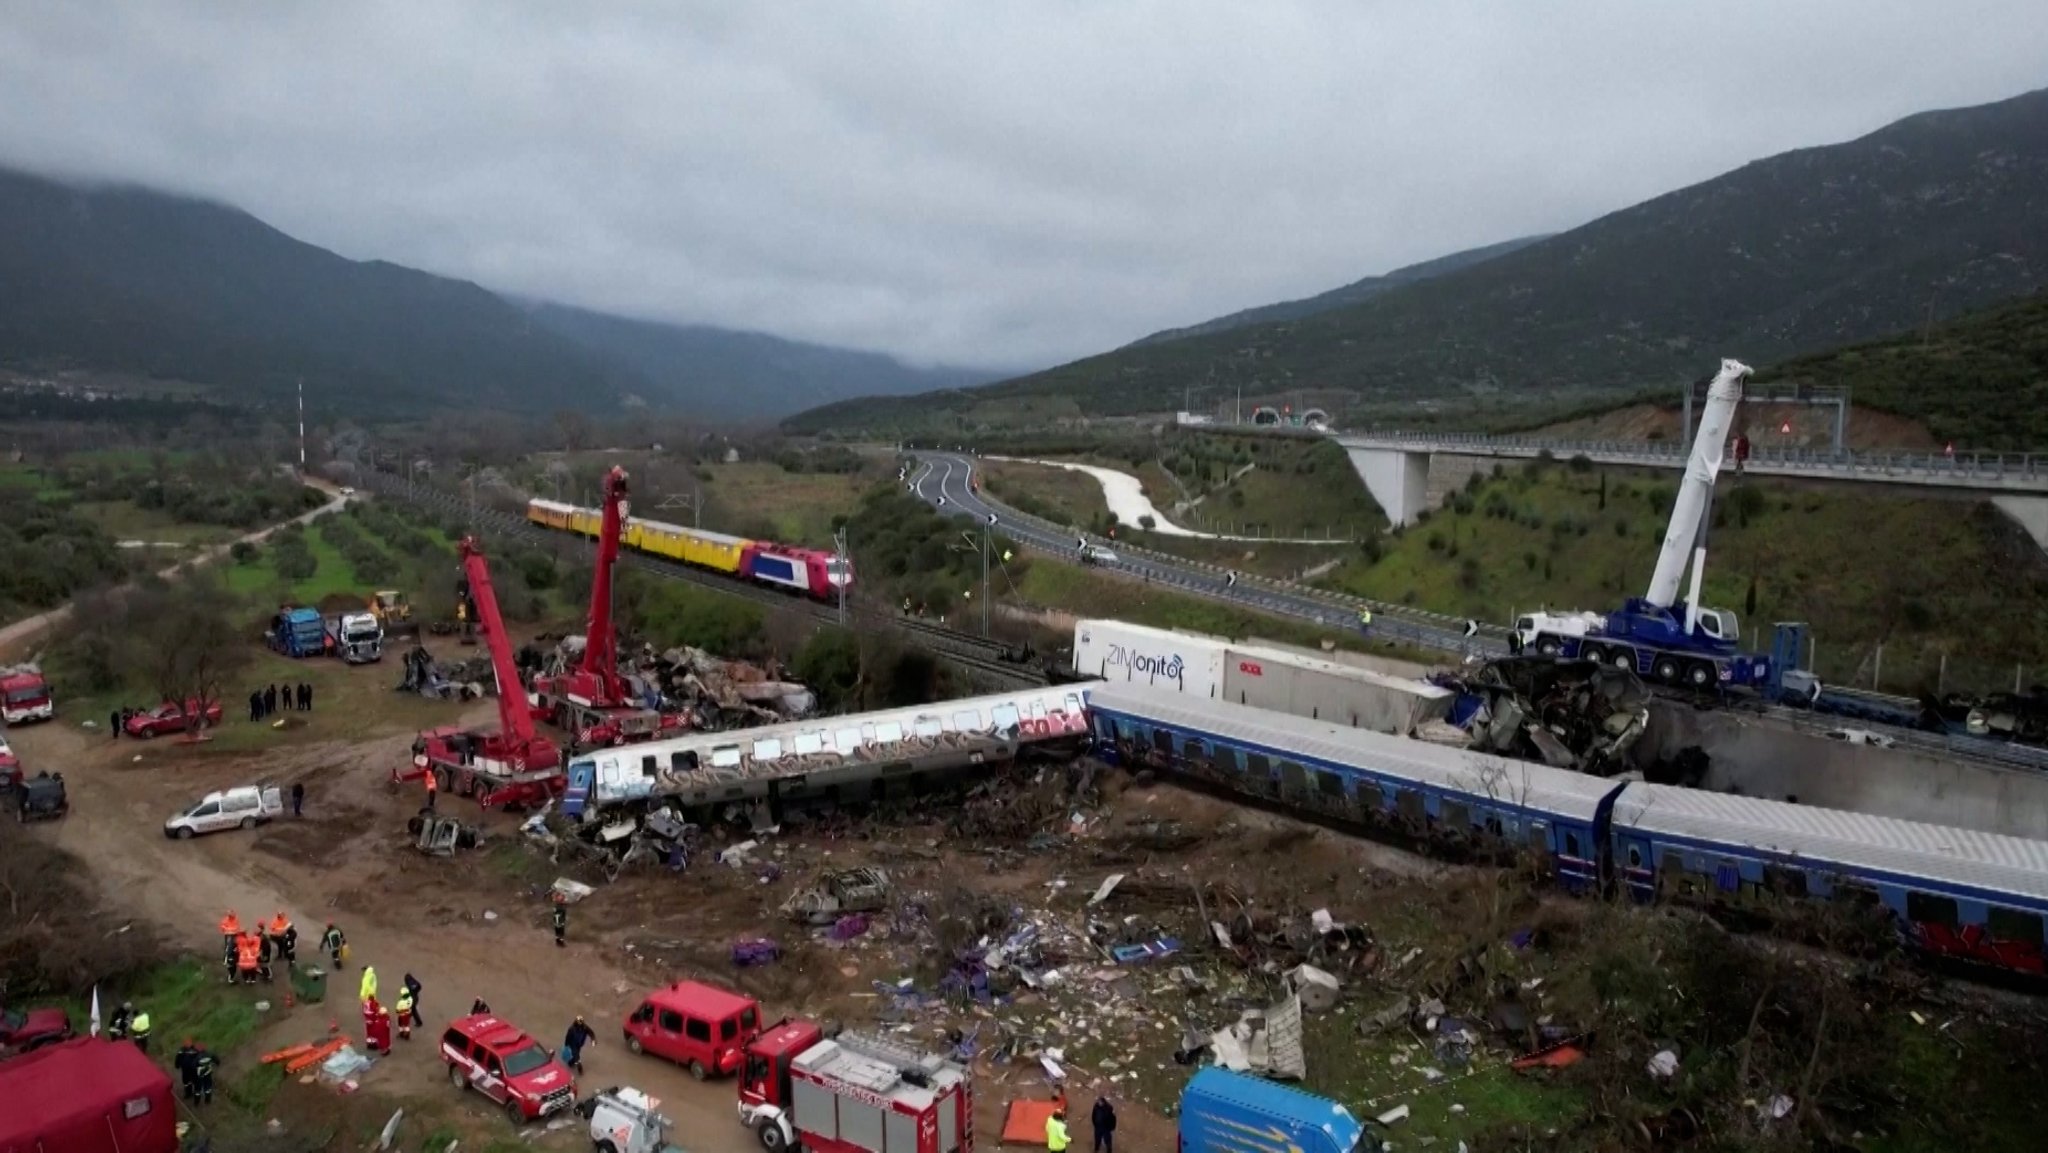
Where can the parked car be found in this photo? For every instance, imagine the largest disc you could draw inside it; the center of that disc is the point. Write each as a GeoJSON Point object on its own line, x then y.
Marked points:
{"type": "Point", "coordinates": [700, 1027]}
{"type": "Point", "coordinates": [241, 808]}
{"type": "Point", "coordinates": [500, 1061]}
{"type": "Point", "coordinates": [40, 798]}
{"type": "Point", "coordinates": [169, 718]}
{"type": "Point", "coordinates": [24, 1029]}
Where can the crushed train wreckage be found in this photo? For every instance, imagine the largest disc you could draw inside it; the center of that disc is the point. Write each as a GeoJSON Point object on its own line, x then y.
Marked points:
{"type": "Point", "coordinates": [1567, 714]}
{"type": "Point", "coordinates": [716, 694]}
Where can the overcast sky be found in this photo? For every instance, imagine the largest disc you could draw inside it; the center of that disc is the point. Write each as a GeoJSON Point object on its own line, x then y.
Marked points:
{"type": "Point", "coordinates": [979, 182]}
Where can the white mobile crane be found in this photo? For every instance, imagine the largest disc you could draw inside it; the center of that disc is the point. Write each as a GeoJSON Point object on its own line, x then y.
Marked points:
{"type": "Point", "coordinates": [1657, 635]}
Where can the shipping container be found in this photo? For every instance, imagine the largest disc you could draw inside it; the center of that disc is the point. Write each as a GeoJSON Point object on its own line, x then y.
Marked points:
{"type": "Point", "coordinates": [1186, 663]}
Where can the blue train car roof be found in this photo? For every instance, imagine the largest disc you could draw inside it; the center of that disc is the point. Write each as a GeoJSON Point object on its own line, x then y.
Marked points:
{"type": "Point", "coordinates": [1859, 842]}
{"type": "Point", "coordinates": [1274, 1100]}
{"type": "Point", "coordinates": [1479, 775]}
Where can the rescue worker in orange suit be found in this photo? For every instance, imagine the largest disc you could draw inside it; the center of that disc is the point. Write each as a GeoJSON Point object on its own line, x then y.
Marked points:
{"type": "Point", "coordinates": [433, 787]}
{"type": "Point", "coordinates": [246, 949]}
{"type": "Point", "coordinates": [230, 929]}
{"type": "Point", "coordinates": [284, 937]}
{"type": "Point", "coordinates": [404, 1013]}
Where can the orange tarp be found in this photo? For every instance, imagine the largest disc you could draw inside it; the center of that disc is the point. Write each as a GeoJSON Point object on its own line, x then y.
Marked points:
{"type": "Point", "coordinates": [1024, 1122]}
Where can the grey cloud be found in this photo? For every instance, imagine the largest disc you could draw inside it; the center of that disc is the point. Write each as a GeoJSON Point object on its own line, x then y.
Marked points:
{"type": "Point", "coordinates": [983, 183]}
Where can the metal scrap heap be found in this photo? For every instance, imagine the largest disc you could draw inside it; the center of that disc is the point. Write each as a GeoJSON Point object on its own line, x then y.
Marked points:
{"type": "Point", "coordinates": [1568, 714]}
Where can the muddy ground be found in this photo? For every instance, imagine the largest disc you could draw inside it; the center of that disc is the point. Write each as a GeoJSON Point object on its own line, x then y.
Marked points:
{"type": "Point", "coordinates": [476, 925]}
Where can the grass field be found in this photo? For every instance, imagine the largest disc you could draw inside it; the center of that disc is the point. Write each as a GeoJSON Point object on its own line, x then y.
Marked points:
{"type": "Point", "coordinates": [1922, 576]}
{"type": "Point", "coordinates": [123, 520]}
{"type": "Point", "coordinates": [760, 498]}
{"type": "Point", "coordinates": [1055, 494]}
{"type": "Point", "coordinates": [258, 579]}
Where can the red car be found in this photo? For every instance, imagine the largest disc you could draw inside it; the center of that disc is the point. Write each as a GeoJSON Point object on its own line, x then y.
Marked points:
{"type": "Point", "coordinates": [168, 718]}
{"type": "Point", "coordinates": [23, 1030]}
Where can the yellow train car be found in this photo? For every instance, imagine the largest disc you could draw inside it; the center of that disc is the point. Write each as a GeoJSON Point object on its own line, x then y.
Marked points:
{"type": "Point", "coordinates": [692, 546]}
{"type": "Point", "coordinates": [587, 522]}
{"type": "Point", "coordinates": [551, 514]}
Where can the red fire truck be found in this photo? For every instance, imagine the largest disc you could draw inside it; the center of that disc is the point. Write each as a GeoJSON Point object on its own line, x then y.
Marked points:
{"type": "Point", "coordinates": [852, 1094]}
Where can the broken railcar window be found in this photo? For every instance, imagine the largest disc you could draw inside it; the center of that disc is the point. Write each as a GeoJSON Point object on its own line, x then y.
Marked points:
{"type": "Point", "coordinates": [1930, 908]}
{"type": "Point", "coordinates": [2013, 924]}
{"type": "Point", "coordinates": [1785, 880]}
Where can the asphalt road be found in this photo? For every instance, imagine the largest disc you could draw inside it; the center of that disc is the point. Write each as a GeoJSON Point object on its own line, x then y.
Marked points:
{"type": "Point", "coordinates": [941, 479]}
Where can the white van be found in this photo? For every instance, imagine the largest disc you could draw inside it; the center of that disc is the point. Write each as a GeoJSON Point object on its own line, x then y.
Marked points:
{"type": "Point", "coordinates": [242, 808]}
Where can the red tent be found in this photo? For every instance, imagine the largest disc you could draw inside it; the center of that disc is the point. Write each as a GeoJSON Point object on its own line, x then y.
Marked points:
{"type": "Point", "coordinates": [86, 1095]}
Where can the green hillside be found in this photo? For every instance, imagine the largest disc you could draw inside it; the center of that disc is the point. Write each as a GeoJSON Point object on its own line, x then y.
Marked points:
{"type": "Point", "coordinates": [1980, 382]}
{"type": "Point", "coordinates": [1936, 215]}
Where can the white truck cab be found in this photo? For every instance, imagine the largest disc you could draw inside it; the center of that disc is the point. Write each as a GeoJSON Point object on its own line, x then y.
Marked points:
{"type": "Point", "coordinates": [240, 808]}
{"type": "Point", "coordinates": [624, 1121]}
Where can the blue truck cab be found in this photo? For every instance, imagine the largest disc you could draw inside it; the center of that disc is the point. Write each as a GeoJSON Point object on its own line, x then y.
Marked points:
{"type": "Point", "coordinates": [1226, 1112]}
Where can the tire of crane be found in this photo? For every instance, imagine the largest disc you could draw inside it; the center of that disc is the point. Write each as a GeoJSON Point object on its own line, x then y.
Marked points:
{"type": "Point", "coordinates": [770, 1135]}
{"type": "Point", "coordinates": [1623, 659]}
{"type": "Point", "coordinates": [1699, 675]}
{"type": "Point", "coordinates": [1593, 653]}
{"type": "Point", "coordinates": [698, 1072]}
{"type": "Point", "coordinates": [1548, 648]}
{"type": "Point", "coordinates": [1666, 669]}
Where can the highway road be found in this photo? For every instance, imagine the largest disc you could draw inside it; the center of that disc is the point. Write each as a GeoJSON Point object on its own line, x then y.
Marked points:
{"type": "Point", "coordinates": [941, 479]}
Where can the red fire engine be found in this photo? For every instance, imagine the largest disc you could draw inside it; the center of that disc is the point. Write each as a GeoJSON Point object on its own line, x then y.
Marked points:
{"type": "Point", "coordinates": [852, 1094]}
{"type": "Point", "coordinates": [514, 765]}
{"type": "Point", "coordinates": [594, 702]}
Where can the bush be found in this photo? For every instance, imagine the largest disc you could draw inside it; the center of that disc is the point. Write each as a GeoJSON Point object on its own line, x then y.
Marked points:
{"type": "Point", "coordinates": [244, 552]}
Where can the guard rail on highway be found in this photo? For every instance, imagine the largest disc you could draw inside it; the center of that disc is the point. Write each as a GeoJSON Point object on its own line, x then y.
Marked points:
{"type": "Point", "coordinates": [2022, 467]}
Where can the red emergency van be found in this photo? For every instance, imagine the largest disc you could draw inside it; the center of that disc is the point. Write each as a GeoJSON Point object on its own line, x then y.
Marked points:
{"type": "Point", "coordinates": [700, 1027]}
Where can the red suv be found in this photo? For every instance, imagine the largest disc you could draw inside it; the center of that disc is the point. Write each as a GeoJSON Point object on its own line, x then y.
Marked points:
{"type": "Point", "coordinates": [504, 1064]}
{"type": "Point", "coordinates": [701, 1027]}
{"type": "Point", "coordinates": [23, 1030]}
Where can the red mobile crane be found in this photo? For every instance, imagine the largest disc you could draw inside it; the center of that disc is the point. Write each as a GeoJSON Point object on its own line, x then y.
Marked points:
{"type": "Point", "coordinates": [514, 765]}
{"type": "Point", "coordinates": [594, 702]}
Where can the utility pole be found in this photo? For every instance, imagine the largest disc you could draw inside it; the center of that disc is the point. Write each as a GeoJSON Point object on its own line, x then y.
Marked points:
{"type": "Point", "coordinates": [839, 543]}
{"type": "Point", "coordinates": [984, 580]}
{"type": "Point", "coordinates": [302, 426]}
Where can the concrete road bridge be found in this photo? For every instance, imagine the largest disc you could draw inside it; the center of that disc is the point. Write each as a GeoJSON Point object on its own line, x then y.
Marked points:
{"type": "Point", "coordinates": [1397, 466]}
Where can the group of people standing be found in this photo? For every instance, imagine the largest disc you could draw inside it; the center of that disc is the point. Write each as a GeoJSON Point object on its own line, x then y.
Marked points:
{"type": "Point", "coordinates": [263, 701]}
{"type": "Point", "coordinates": [378, 1019]}
{"type": "Point", "coordinates": [248, 952]}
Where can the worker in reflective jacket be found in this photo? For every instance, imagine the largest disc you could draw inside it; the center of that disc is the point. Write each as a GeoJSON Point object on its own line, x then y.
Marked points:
{"type": "Point", "coordinates": [334, 943]}
{"type": "Point", "coordinates": [138, 1028]}
{"type": "Point", "coordinates": [1056, 1132]}
{"type": "Point", "coordinates": [203, 1065]}
{"type": "Point", "coordinates": [284, 937]}
{"type": "Point", "coordinates": [404, 1008]}
{"type": "Point", "coordinates": [247, 948]}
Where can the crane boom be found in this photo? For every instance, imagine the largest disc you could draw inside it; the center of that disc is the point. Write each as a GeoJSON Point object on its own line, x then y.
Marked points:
{"type": "Point", "coordinates": [515, 719]}
{"type": "Point", "coordinates": [1685, 538]}
{"type": "Point", "coordinates": [600, 638]}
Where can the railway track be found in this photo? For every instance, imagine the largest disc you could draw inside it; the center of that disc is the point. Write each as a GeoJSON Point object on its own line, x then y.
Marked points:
{"type": "Point", "coordinates": [980, 655]}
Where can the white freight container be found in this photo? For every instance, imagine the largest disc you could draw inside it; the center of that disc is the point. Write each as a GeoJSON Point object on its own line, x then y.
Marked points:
{"type": "Point", "coordinates": [1133, 654]}
{"type": "Point", "coordinates": [1304, 686]}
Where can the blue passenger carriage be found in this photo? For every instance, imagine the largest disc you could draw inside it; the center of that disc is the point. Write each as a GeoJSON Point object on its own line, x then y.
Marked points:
{"type": "Point", "coordinates": [1451, 799]}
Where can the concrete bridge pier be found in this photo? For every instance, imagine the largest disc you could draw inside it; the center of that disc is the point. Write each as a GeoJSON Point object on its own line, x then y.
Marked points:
{"type": "Point", "coordinates": [1398, 478]}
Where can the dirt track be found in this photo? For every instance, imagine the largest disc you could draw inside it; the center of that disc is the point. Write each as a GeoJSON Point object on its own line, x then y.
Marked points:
{"type": "Point", "coordinates": [385, 898]}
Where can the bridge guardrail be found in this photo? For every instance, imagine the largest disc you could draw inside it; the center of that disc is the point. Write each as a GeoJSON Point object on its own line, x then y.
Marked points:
{"type": "Point", "coordinates": [2024, 466]}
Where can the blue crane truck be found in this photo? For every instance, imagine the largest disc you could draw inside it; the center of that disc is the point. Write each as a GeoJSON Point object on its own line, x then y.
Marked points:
{"type": "Point", "coordinates": [1226, 1112]}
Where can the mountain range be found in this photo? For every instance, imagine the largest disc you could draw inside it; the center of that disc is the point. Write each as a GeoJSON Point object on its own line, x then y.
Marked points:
{"type": "Point", "coordinates": [130, 283]}
{"type": "Point", "coordinates": [1356, 292]}
{"type": "Point", "coordinates": [1927, 218]}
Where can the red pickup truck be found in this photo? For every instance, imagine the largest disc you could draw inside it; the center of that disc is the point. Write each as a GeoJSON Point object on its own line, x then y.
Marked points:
{"type": "Point", "coordinates": [168, 718]}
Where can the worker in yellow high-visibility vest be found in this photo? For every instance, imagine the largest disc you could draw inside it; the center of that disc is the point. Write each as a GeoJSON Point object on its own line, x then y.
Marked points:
{"type": "Point", "coordinates": [1056, 1132]}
